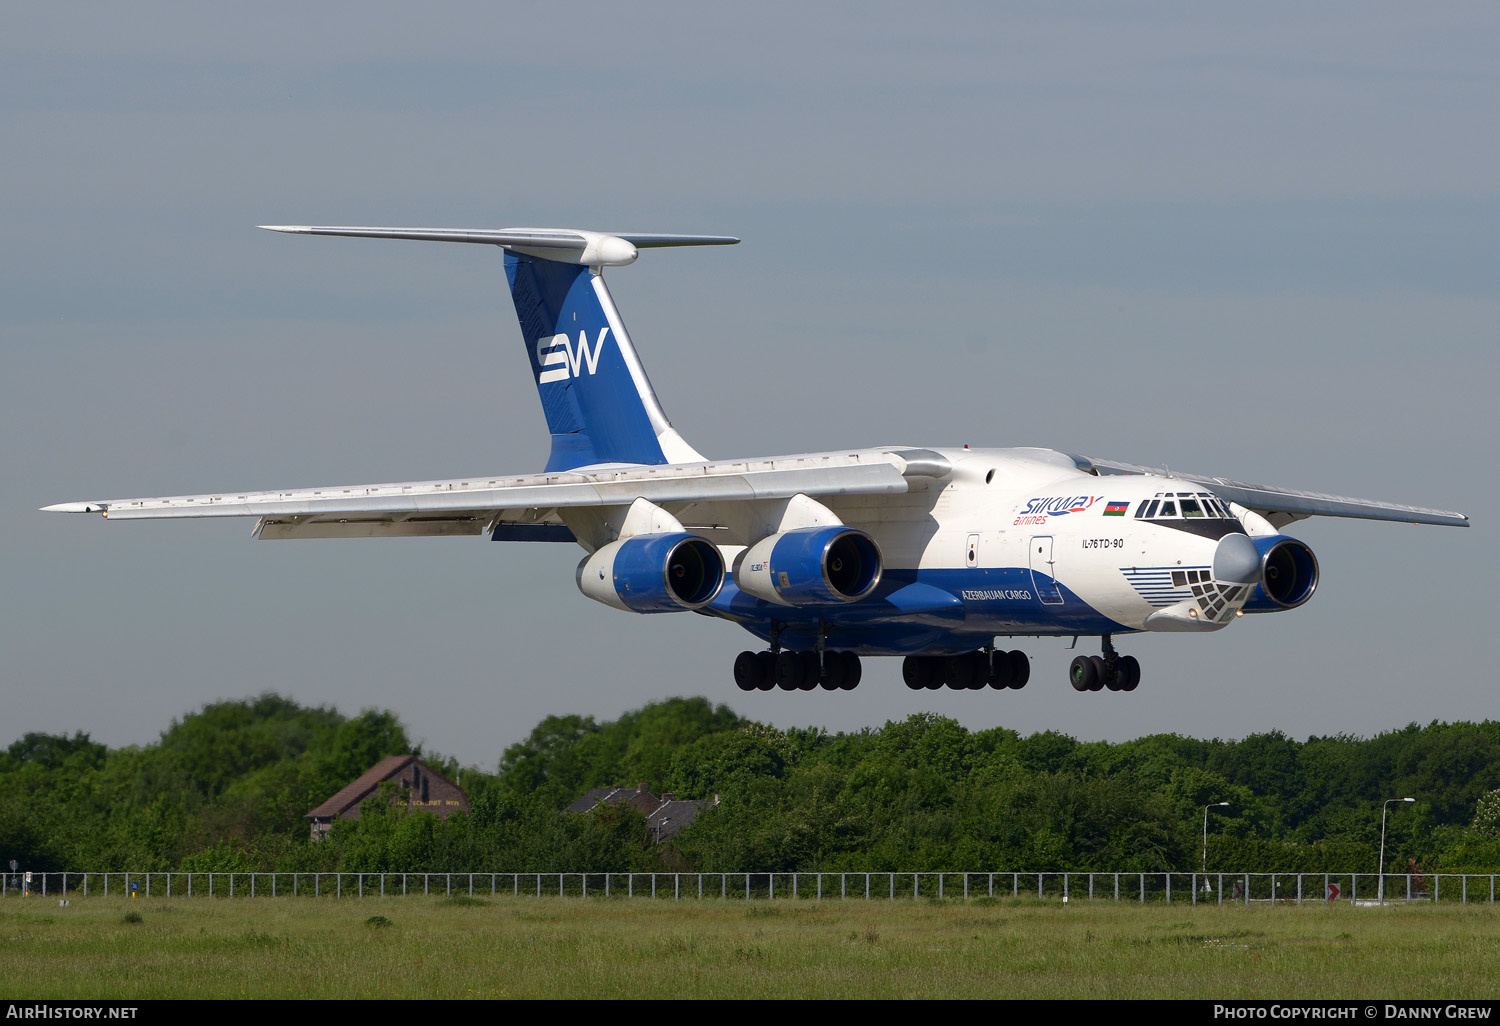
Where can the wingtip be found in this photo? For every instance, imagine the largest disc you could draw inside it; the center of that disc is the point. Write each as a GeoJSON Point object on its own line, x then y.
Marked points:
{"type": "Point", "coordinates": [296, 229]}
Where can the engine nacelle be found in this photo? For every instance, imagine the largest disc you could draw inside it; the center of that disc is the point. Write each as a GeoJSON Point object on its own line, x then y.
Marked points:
{"type": "Point", "coordinates": [1288, 575]}
{"type": "Point", "coordinates": [810, 566]}
{"type": "Point", "coordinates": [654, 573]}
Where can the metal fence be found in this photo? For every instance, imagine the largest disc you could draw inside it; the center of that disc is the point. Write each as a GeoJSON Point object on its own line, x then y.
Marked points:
{"type": "Point", "coordinates": [1162, 888]}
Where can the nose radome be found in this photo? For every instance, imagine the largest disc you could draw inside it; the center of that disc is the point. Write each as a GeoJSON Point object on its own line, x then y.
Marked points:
{"type": "Point", "coordinates": [1236, 560]}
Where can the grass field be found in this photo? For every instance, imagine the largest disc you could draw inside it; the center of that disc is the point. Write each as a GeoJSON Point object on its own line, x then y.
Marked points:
{"type": "Point", "coordinates": [581, 948]}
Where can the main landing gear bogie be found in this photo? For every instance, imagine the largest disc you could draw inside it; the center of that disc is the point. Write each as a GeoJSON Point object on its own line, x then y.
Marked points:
{"type": "Point", "coordinates": [797, 671]}
{"type": "Point", "coordinates": [1110, 670]}
{"type": "Point", "coordinates": [971, 671]}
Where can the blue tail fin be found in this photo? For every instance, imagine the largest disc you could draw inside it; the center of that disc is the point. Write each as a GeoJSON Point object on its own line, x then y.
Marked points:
{"type": "Point", "coordinates": [598, 402]}
{"type": "Point", "coordinates": [599, 405]}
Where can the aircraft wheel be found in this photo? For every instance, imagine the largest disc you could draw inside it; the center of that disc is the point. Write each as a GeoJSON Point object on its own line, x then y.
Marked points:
{"type": "Point", "coordinates": [938, 679]}
{"type": "Point", "coordinates": [748, 671]}
{"type": "Point", "coordinates": [767, 671]}
{"type": "Point", "coordinates": [916, 671]}
{"type": "Point", "coordinates": [979, 663]}
{"type": "Point", "coordinates": [1101, 673]}
{"type": "Point", "coordinates": [853, 671]}
{"type": "Point", "coordinates": [833, 671]}
{"type": "Point", "coordinates": [810, 672]}
{"type": "Point", "coordinates": [1081, 673]}
{"type": "Point", "coordinates": [1129, 670]}
{"type": "Point", "coordinates": [789, 670]}
{"type": "Point", "coordinates": [1020, 670]}
{"type": "Point", "coordinates": [958, 671]}
{"type": "Point", "coordinates": [1000, 674]}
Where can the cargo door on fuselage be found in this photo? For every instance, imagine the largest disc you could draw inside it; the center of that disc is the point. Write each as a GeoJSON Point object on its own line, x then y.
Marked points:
{"type": "Point", "coordinates": [1044, 571]}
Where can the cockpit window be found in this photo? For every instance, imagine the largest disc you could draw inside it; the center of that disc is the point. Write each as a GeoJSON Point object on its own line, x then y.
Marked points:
{"type": "Point", "coordinates": [1189, 505]}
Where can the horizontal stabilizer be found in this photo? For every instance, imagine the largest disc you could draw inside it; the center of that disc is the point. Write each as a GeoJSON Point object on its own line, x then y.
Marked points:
{"type": "Point", "coordinates": [565, 245]}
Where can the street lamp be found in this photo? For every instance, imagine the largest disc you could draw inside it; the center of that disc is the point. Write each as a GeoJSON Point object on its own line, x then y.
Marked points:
{"type": "Point", "coordinates": [1384, 810]}
{"type": "Point", "coordinates": [1211, 805]}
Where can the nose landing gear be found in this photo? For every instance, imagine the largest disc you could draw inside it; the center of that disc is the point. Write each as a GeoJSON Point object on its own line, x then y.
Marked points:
{"type": "Point", "coordinates": [1111, 670]}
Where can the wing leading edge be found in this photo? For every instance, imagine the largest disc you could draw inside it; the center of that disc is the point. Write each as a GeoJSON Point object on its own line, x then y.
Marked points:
{"type": "Point", "coordinates": [529, 502]}
{"type": "Point", "coordinates": [1283, 505]}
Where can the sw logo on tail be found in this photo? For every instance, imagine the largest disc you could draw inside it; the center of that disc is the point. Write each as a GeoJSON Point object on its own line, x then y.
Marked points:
{"type": "Point", "coordinates": [558, 353]}
{"type": "Point", "coordinates": [804, 551]}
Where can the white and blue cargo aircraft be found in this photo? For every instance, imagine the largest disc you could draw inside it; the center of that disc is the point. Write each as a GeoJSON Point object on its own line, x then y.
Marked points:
{"type": "Point", "coordinates": [928, 553]}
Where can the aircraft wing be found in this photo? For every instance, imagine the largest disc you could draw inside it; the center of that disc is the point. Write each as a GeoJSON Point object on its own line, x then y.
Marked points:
{"type": "Point", "coordinates": [525, 507]}
{"type": "Point", "coordinates": [1283, 505]}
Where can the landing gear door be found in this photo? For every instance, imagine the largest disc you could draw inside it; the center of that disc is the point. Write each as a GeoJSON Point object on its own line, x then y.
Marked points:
{"type": "Point", "coordinates": [1043, 571]}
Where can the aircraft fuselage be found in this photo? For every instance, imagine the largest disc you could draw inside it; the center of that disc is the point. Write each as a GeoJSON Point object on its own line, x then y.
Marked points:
{"type": "Point", "coordinates": [1021, 542]}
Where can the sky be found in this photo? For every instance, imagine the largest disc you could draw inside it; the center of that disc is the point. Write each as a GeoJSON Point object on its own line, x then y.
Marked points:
{"type": "Point", "coordinates": [1256, 241]}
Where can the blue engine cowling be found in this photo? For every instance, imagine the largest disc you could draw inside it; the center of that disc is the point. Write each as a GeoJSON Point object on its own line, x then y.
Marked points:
{"type": "Point", "coordinates": [654, 573]}
{"type": "Point", "coordinates": [1288, 575]}
{"type": "Point", "coordinates": [810, 566]}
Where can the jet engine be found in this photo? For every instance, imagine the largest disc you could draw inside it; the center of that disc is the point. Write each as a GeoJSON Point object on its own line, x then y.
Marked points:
{"type": "Point", "coordinates": [654, 573]}
{"type": "Point", "coordinates": [810, 566]}
{"type": "Point", "coordinates": [1288, 575]}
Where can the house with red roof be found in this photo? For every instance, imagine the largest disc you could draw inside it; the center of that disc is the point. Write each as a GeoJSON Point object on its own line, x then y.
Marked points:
{"type": "Point", "coordinates": [419, 787]}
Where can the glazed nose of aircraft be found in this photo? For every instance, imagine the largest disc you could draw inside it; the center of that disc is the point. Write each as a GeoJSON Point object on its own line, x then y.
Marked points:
{"type": "Point", "coordinates": [1236, 560]}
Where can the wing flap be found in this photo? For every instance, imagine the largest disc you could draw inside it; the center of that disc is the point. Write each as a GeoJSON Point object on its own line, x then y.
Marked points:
{"type": "Point", "coordinates": [267, 529]}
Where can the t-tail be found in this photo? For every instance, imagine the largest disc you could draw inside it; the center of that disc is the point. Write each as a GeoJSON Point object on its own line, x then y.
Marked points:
{"type": "Point", "coordinates": [599, 404]}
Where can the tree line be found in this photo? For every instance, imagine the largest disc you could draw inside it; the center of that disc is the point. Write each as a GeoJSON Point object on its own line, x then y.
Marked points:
{"type": "Point", "coordinates": [228, 788]}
